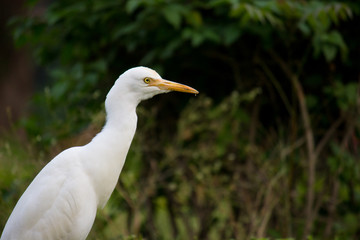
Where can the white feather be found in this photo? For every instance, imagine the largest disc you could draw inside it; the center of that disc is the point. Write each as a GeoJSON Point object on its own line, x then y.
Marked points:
{"type": "Point", "coordinates": [62, 200]}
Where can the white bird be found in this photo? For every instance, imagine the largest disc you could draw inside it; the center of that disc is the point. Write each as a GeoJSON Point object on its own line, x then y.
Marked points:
{"type": "Point", "coordinates": [62, 200]}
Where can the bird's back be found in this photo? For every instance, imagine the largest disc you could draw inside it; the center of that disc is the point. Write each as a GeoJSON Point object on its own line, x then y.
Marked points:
{"type": "Point", "coordinates": [58, 204]}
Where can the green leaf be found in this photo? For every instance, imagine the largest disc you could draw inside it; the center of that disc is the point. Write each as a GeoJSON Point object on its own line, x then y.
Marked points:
{"type": "Point", "coordinates": [100, 65]}
{"type": "Point", "coordinates": [59, 89]}
{"type": "Point", "coordinates": [304, 28]}
{"type": "Point", "coordinates": [329, 52]}
{"type": "Point", "coordinates": [336, 39]}
{"type": "Point", "coordinates": [194, 18]}
{"type": "Point", "coordinates": [172, 15]}
{"type": "Point", "coordinates": [231, 34]}
{"type": "Point", "coordinates": [132, 5]}
{"type": "Point", "coordinates": [329, 43]}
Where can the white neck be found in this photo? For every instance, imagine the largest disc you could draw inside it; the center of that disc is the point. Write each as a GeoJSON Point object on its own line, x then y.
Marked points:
{"type": "Point", "coordinates": [106, 153]}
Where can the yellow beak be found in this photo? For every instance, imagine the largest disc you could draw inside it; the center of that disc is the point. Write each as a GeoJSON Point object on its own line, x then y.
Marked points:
{"type": "Point", "coordinates": [172, 86]}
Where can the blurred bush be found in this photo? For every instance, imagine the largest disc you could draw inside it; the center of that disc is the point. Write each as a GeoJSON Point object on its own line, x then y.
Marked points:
{"type": "Point", "coordinates": [268, 148]}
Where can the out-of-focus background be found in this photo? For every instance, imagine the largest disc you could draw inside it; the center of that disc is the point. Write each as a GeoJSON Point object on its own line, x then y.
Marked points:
{"type": "Point", "coordinates": [269, 149]}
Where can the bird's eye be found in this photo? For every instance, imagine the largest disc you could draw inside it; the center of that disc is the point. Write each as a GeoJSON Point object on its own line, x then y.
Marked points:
{"type": "Point", "coordinates": [147, 80]}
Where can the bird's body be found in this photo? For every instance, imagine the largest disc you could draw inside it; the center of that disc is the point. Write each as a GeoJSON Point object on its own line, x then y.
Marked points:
{"type": "Point", "coordinates": [62, 200]}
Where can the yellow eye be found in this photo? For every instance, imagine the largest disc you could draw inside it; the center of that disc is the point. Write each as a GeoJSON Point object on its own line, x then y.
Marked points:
{"type": "Point", "coordinates": [147, 80]}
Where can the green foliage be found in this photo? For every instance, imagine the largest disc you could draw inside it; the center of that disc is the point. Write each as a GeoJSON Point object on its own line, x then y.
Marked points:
{"type": "Point", "coordinates": [234, 162]}
{"type": "Point", "coordinates": [18, 167]}
{"type": "Point", "coordinates": [345, 94]}
{"type": "Point", "coordinates": [85, 44]}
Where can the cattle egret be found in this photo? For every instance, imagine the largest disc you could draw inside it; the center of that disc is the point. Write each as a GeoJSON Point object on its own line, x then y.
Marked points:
{"type": "Point", "coordinates": [62, 200]}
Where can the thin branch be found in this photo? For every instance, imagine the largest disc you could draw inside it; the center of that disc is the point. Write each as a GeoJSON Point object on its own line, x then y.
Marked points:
{"type": "Point", "coordinates": [332, 207]}
{"type": "Point", "coordinates": [277, 86]}
{"type": "Point", "coordinates": [271, 199]}
{"type": "Point", "coordinates": [254, 123]}
{"type": "Point", "coordinates": [334, 196]}
{"type": "Point", "coordinates": [290, 149]}
{"type": "Point", "coordinates": [126, 196]}
{"type": "Point", "coordinates": [309, 136]}
{"type": "Point", "coordinates": [320, 146]}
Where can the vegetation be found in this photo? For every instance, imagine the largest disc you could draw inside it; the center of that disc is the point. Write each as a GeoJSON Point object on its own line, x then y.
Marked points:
{"type": "Point", "coordinates": [268, 150]}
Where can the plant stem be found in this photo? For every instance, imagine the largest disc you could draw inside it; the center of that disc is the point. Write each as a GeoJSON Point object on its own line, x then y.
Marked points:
{"type": "Point", "coordinates": [309, 136]}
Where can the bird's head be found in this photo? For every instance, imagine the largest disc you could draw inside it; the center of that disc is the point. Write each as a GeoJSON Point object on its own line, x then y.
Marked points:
{"type": "Point", "coordinates": [137, 84]}
{"type": "Point", "coordinates": [143, 83]}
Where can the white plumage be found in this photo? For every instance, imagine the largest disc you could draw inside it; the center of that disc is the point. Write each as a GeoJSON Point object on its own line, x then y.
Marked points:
{"type": "Point", "coordinates": [62, 200]}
